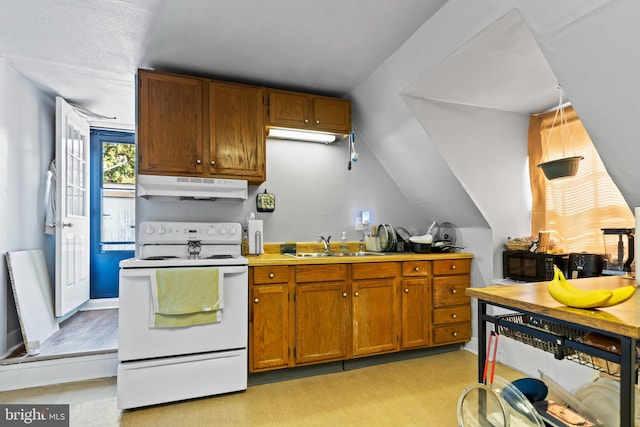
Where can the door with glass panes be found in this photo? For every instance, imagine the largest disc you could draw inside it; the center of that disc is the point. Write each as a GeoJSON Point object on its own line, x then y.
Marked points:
{"type": "Point", "coordinates": [112, 208]}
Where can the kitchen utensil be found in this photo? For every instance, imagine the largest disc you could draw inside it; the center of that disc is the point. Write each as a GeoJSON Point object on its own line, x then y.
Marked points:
{"type": "Point", "coordinates": [387, 237]}
{"type": "Point", "coordinates": [562, 396]}
{"type": "Point", "coordinates": [479, 403]}
{"type": "Point", "coordinates": [499, 403]}
{"type": "Point", "coordinates": [402, 234]}
{"type": "Point", "coordinates": [420, 248]}
{"type": "Point", "coordinates": [533, 389]}
{"type": "Point", "coordinates": [372, 243]}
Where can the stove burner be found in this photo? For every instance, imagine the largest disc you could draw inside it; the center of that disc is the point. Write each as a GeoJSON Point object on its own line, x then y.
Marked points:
{"type": "Point", "coordinates": [159, 257]}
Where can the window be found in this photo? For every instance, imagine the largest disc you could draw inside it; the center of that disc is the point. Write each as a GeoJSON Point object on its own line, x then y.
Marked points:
{"type": "Point", "coordinates": [573, 209]}
{"type": "Point", "coordinates": [117, 230]}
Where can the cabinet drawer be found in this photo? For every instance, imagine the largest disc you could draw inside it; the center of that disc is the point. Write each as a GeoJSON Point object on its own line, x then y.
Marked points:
{"type": "Point", "coordinates": [374, 270]}
{"type": "Point", "coordinates": [321, 273]}
{"type": "Point", "coordinates": [442, 316]}
{"type": "Point", "coordinates": [452, 333]}
{"type": "Point", "coordinates": [415, 268]}
{"type": "Point", "coordinates": [273, 274]}
{"type": "Point", "coordinates": [450, 291]}
{"type": "Point", "coordinates": [451, 266]}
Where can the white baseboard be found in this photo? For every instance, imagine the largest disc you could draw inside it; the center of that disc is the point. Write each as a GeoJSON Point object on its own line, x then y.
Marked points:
{"type": "Point", "coordinates": [100, 304]}
{"type": "Point", "coordinates": [57, 371]}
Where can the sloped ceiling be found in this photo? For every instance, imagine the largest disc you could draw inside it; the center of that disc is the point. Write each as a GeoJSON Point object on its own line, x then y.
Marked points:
{"type": "Point", "coordinates": [88, 51]}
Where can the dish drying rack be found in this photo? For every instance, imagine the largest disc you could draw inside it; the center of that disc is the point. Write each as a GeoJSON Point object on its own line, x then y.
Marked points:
{"type": "Point", "coordinates": [563, 341]}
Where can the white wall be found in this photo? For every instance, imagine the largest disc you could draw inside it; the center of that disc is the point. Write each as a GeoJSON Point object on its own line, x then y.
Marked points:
{"type": "Point", "coordinates": [315, 195]}
{"type": "Point", "coordinates": [488, 155]}
{"type": "Point", "coordinates": [26, 149]}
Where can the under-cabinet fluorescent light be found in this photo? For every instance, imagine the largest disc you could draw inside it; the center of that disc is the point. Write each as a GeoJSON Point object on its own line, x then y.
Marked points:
{"type": "Point", "coordinates": [301, 135]}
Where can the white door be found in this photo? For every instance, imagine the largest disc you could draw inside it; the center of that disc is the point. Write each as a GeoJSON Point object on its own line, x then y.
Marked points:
{"type": "Point", "coordinates": [72, 213]}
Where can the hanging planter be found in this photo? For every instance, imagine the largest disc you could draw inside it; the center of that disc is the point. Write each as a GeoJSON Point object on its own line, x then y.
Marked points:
{"type": "Point", "coordinates": [560, 168]}
{"type": "Point", "coordinates": [564, 166]}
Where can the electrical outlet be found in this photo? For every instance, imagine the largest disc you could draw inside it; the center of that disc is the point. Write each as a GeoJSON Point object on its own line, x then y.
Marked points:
{"type": "Point", "coordinates": [359, 226]}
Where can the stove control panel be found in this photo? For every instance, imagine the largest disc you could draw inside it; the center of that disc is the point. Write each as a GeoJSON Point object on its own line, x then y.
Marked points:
{"type": "Point", "coordinates": [167, 232]}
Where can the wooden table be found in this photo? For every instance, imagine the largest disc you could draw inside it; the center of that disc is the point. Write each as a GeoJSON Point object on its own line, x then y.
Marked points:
{"type": "Point", "coordinates": [620, 322]}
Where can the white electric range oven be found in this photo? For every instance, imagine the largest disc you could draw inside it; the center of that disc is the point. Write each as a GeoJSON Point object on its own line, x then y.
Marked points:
{"type": "Point", "coordinates": [167, 364]}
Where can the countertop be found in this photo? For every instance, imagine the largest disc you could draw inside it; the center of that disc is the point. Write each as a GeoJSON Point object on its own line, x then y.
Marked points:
{"type": "Point", "coordinates": [622, 319]}
{"type": "Point", "coordinates": [279, 259]}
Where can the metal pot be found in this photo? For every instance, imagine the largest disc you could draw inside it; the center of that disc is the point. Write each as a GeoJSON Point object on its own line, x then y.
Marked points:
{"type": "Point", "coordinates": [420, 248]}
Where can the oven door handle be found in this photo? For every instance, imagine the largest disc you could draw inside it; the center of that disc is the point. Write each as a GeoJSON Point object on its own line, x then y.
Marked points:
{"type": "Point", "coordinates": [146, 272]}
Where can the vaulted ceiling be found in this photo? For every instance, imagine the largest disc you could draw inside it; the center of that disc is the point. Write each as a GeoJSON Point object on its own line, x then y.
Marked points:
{"type": "Point", "coordinates": [88, 51]}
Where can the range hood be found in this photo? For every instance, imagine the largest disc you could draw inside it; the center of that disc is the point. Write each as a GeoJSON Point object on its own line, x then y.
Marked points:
{"type": "Point", "coordinates": [191, 188]}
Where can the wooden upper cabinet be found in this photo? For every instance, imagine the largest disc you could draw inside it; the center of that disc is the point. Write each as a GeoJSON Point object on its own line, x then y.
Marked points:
{"type": "Point", "coordinates": [309, 112]}
{"type": "Point", "coordinates": [170, 124]}
{"type": "Point", "coordinates": [190, 126]}
{"type": "Point", "coordinates": [236, 134]}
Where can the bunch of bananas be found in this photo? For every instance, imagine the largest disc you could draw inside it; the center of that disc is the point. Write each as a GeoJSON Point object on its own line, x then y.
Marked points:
{"type": "Point", "coordinates": [565, 293]}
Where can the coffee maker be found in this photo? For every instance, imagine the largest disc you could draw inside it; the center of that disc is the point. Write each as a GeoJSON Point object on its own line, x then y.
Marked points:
{"type": "Point", "coordinates": [616, 261]}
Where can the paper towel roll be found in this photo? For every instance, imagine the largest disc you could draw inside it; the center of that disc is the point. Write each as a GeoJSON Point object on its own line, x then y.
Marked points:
{"type": "Point", "coordinates": [255, 236]}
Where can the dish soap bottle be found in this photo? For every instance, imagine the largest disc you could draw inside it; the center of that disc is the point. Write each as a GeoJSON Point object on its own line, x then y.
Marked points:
{"type": "Point", "coordinates": [343, 243]}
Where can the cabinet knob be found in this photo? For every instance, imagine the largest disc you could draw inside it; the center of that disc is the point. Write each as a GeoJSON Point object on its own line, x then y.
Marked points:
{"type": "Point", "coordinates": [198, 161]}
{"type": "Point", "coordinates": [317, 122]}
{"type": "Point", "coordinates": [417, 269]}
{"type": "Point", "coordinates": [454, 316]}
{"type": "Point", "coordinates": [453, 291]}
{"type": "Point", "coordinates": [406, 290]}
{"type": "Point", "coordinates": [455, 334]}
{"type": "Point", "coordinates": [271, 275]}
{"type": "Point", "coordinates": [213, 162]}
{"type": "Point", "coordinates": [355, 293]}
{"type": "Point", "coordinates": [344, 294]}
{"type": "Point", "coordinates": [453, 267]}
{"type": "Point", "coordinates": [256, 300]}
{"type": "Point", "coordinates": [306, 120]}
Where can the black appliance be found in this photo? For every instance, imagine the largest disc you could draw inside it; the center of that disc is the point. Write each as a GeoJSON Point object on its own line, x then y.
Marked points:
{"type": "Point", "coordinates": [529, 266]}
{"type": "Point", "coordinates": [584, 265]}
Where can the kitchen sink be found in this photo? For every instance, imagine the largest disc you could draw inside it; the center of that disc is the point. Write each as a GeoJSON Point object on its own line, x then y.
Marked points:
{"type": "Point", "coordinates": [332, 254]}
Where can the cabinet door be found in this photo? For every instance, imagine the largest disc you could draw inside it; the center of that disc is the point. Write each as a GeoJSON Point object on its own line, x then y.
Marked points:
{"type": "Point", "coordinates": [269, 327]}
{"type": "Point", "coordinates": [376, 312]}
{"type": "Point", "coordinates": [289, 109]}
{"type": "Point", "coordinates": [170, 124]}
{"type": "Point", "coordinates": [321, 322]}
{"type": "Point", "coordinates": [332, 115]}
{"type": "Point", "coordinates": [236, 133]}
{"type": "Point", "coordinates": [415, 313]}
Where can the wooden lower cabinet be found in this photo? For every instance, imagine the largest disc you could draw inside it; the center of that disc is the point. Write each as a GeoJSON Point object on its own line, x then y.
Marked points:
{"type": "Point", "coordinates": [321, 313]}
{"type": "Point", "coordinates": [308, 314]}
{"type": "Point", "coordinates": [269, 318]}
{"type": "Point", "coordinates": [451, 307]}
{"type": "Point", "coordinates": [322, 317]}
{"type": "Point", "coordinates": [375, 308]}
{"type": "Point", "coordinates": [415, 291]}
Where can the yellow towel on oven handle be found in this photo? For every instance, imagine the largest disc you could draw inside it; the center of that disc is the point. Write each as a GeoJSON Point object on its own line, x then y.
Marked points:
{"type": "Point", "coordinates": [180, 291]}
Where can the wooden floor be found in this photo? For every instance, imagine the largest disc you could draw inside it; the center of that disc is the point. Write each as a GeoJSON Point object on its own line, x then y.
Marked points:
{"type": "Point", "coordinates": [84, 333]}
{"type": "Point", "coordinates": [416, 392]}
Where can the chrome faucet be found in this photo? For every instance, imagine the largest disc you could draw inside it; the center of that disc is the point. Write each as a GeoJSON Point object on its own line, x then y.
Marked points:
{"type": "Point", "coordinates": [326, 242]}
